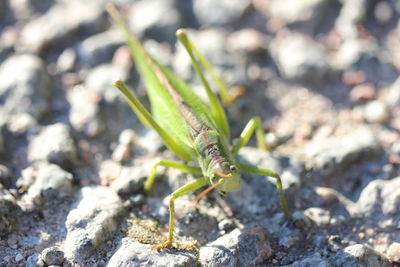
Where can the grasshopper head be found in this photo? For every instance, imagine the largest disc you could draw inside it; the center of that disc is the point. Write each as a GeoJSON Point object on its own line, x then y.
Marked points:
{"type": "Point", "coordinates": [226, 180]}
{"type": "Point", "coordinates": [228, 177]}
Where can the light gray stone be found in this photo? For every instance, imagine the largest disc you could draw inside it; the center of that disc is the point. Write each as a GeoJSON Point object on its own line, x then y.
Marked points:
{"type": "Point", "coordinates": [25, 85]}
{"type": "Point", "coordinates": [91, 222]}
{"type": "Point", "coordinates": [134, 254]}
{"type": "Point", "coordinates": [238, 248]}
{"type": "Point", "coordinates": [55, 144]}
{"type": "Point", "coordinates": [300, 58]}
{"type": "Point", "coordinates": [325, 156]}
{"type": "Point", "coordinates": [50, 181]}
{"type": "Point", "coordinates": [360, 255]}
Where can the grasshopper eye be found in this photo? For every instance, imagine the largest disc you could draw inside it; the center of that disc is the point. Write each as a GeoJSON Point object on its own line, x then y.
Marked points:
{"type": "Point", "coordinates": [233, 168]}
{"type": "Point", "coordinates": [213, 178]}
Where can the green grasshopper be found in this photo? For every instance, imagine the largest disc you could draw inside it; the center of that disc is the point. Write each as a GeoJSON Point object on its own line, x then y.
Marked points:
{"type": "Point", "coordinates": [192, 129]}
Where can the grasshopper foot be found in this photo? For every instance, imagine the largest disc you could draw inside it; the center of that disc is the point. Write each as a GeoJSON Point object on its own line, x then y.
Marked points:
{"type": "Point", "coordinates": [162, 246]}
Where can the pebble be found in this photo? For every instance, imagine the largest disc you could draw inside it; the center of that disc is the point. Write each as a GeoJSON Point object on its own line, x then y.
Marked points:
{"type": "Point", "coordinates": [52, 255]}
{"type": "Point", "coordinates": [99, 48]}
{"type": "Point", "coordinates": [8, 212]}
{"type": "Point", "coordinates": [84, 114]}
{"type": "Point", "coordinates": [50, 181]}
{"type": "Point", "coordinates": [238, 248]}
{"type": "Point", "coordinates": [377, 112]}
{"type": "Point", "coordinates": [314, 260]}
{"type": "Point", "coordinates": [130, 180]}
{"type": "Point", "coordinates": [325, 156]}
{"type": "Point", "coordinates": [34, 260]}
{"type": "Point", "coordinates": [155, 19]}
{"type": "Point", "coordinates": [55, 144]}
{"type": "Point", "coordinates": [318, 215]}
{"type": "Point", "coordinates": [92, 222]}
{"type": "Point", "coordinates": [134, 254]}
{"type": "Point", "coordinates": [220, 13]}
{"type": "Point", "coordinates": [360, 255]}
{"type": "Point", "coordinates": [19, 257]}
{"type": "Point", "coordinates": [38, 34]}
{"type": "Point", "coordinates": [351, 14]}
{"type": "Point", "coordinates": [363, 92]}
{"type": "Point", "coordinates": [307, 14]}
{"type": "Point", "coordinates": [26, 85]}
{"type": "Point", "coordinates": [300, 58]}
{"type": "Point", "coordinates": [6, 177]}
{"type": "Point", "coordinates": [393, 252]}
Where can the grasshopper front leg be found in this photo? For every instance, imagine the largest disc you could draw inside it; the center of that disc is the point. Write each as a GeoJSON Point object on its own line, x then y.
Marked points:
{"type": "Point", "coordinates": [187, 188]}
{"type": "Point", "coordinates": [267, 172]}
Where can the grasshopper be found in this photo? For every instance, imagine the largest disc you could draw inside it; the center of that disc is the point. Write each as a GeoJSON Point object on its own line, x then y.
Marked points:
{"type": "Point", "coordinates": [192, 129]}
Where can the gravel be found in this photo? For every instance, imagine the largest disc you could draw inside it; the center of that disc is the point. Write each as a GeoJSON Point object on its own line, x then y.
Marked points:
{"type": "Point", "coordinates": [323, 76]}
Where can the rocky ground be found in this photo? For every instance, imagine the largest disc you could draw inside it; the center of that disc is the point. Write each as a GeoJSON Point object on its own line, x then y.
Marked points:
{"type": "Point", "coordinates": [322, 75]}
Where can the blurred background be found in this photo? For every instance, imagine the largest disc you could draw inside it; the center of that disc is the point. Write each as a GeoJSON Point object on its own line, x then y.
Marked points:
{"type": "Point", "coordinates": [323, 75]}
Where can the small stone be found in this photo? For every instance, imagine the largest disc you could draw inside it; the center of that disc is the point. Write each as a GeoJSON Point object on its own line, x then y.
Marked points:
{"type": "Point", "coordinates": [50, 181]}
{"type": "Point", "coordinates": [55, 144]}
{"type": "Point", "coordinates": [99, 48]}
{"type": "Point", "coordinates": [300, 58]}
{"type": "Point", "coordinates": [377, 112]}
{"type": "Point", "coordinates": [5, 176]}
{"type": "Point", "coordinates": [383, 12]}
{"type": "Point", "coordinates": [127, 137]}
{"type": "Point", "coordinates": [393, 252]}
{"type": "Point", "coordinates": [19, 257]}
{"type": "Point", "coordinates": [8, 212]}
{"type": "Point", "coordinates": [52, 255]}
{"type": "Point", "coordinates": [314, 260]}
{"type": "Point", "coordinates": [34, 260]}
{"type": "Point", "coordinates": [130, 180]}
{"type": "Point", "coordinates": [92, 222]}
{"type": "Point", "coordinates": [363, 92]}
{"type": "Point", "coordinates": [318, 215]}
{"type": "Point", "coordinates": [38, 34]}
{"type": "Point", "coordinates": [67, 60]}
{"type": "Point", "coordinates": [247, 40]}
{"type": "Point", "coordinates": [238, 248]}
{"type": "Point", "coordinates": [220, 13]}
{"type": "Point", "coordinates": [25, 85]}
{"type": "Point", "coordinates": [360, 255]}
{"type": "Point", "coordinates": [132, 253]}
{"type": "Point", "coordinates": [122, 153]}
{"type": "Point", "coordinates": [323, 157]}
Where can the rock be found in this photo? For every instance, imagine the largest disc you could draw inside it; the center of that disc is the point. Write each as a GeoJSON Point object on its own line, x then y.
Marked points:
{"type": "Point", "coordinates": [130, 180]}
{"type": "Point", "coordinates": [67, 60]}
{"type": "Point", "coordinates": [309, 14]}
{"type": "Point", "coordinates": [91, 222]}
{"type": "Point", "coordinates": [103, 107]}
{"type": "Point", "coordinates": [220, 13]}
{"type": "Point", "coordinates": [318, 216]}
{"type": "Point", "coordinates": [55, 144]}
{"type": "Point", "coordinates": [324, 157]}
{"type": "Point", "coordinates": [383, 12]}
{"type": "Point", "coordinates": [393, 252]}
{"type": "Point", "coordinates": [155, 19]}
{"type": "Point", "coordinates": [300, 58]}
{"type": "Point", "coordinates": [67, 18]}
{"type": "Point", "coordinates": [351, 15]}
{"type": "Point", "coordinates": [25, 86]}
{"type": "Point", "coordinates": [379, 197]}
{"type": "Point", "coordinates": [50, 182]}
{"type": "Point", "coordinates": [52, 255]}
{"type": "Point", "coordinates": [238, 248]}
{"type": "Point", "coordinates": [376, 112]}
{"type": "Point", "coordinates": [6, 178]}
{"type": "Point", "coordinates": [134, 254]}
{"type": "Point", "coordinates": [8, 212]}
{"type": "Point", "coordinates": [34, 261]}
{"type": "Point", "coordinates": [99, 48]}
{"type": "Point", "coordinates": [26, 9]}
{"type": "Point", "coordinates": [315, 260]}
{"type": "Point", "coordinates": [247, 40]}
{"type": "Point", "coordinates": [363, 92]}
{"type": "Point", "coordinates": [23, 124]}
{"type": "Point", "coordinates": [100, 81]}
{"type": "Point", "coordinates": [359, 255]}
{"type": "Point", "coordinates": [85, 111]}
{"type": "Point", "coordinates": [394, 93]}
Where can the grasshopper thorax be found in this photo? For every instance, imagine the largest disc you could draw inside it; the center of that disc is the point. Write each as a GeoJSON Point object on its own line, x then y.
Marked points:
{"type": "Point", "coordinates": [216, 161]}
